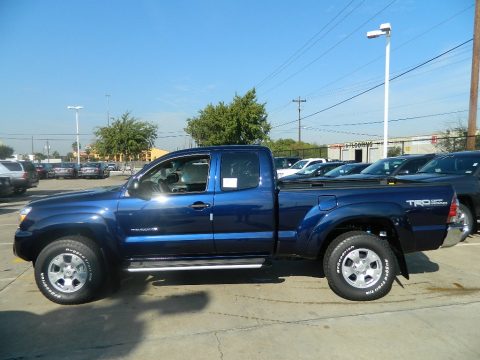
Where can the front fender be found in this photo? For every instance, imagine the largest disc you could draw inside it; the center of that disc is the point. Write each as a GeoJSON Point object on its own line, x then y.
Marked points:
{"type": "Point", "coordinates": [35, 231]}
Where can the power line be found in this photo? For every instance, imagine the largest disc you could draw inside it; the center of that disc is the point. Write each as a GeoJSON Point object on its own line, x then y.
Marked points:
{"type": "Point", "coordinates": [308, 45]}
{"type": "Point", "coordinates": [423, 33]}
{"type": "Point", "coordinates": [396, 120]}
{"type": "Point", "coordinates": [378, 85]}
{"type": "Point", "coordinates": [331, 48]}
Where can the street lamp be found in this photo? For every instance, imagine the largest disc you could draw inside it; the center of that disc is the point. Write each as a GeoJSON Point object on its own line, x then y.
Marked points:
{"type": "Point", "coordinates": [76, 108]}
{"type": "Point", "coordinates": [385, 29]}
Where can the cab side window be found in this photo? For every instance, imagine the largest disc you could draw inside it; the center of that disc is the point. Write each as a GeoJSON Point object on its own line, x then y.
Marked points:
{"type": "Point", "coordinates": [179, 175]}
{"type": "Point", "coordinates": [239, 170]}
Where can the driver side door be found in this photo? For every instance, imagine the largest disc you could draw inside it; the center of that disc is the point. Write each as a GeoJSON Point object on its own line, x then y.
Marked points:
{"type": "Point", "coordinates": [174, 218]}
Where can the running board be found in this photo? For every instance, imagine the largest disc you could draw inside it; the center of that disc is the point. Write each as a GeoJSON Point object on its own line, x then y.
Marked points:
{"type": "Point", "coordinates": [201, 264]}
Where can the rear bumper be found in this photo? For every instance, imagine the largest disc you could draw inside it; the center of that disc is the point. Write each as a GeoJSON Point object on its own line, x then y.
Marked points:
{"type": "Point", "coordinates": [455, 234]}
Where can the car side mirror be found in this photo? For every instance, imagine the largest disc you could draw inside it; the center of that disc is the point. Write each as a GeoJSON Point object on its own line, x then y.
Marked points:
{"type": "Point", "coordinates": [135, 189]}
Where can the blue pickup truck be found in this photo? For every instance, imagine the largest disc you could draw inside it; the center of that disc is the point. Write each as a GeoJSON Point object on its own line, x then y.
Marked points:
{"type": "Point", "coordinates": [222, 208]}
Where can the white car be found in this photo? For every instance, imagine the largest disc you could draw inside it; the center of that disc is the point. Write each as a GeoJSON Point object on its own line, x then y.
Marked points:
{"type": "Point", "coordinates": [299, 165]}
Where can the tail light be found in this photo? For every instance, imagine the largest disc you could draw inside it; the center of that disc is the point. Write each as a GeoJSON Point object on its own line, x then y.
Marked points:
{"type": "Point", "coordinates": [453, 212]}
{"type": "Point", "coordinates": [25, 175]}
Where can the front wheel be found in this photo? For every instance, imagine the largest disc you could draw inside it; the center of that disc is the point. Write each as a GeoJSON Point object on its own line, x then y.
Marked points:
{"type": "Point", "coordinates": [360, 266]}
{"type": "Point", "coordinates": [69, 270]}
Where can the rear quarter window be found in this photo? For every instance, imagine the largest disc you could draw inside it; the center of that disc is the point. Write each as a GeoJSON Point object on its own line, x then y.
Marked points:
{"type": "Point", "coordinates": [12, 166]}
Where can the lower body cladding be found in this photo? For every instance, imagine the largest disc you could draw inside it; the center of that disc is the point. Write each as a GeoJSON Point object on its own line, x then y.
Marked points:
{"type": "Point", "coordinates": [152, 265]}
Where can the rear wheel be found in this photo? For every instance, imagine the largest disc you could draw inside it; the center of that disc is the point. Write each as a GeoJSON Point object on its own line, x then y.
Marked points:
{"type": "Point", "coordinates": [69, 270]}
{"type": "Point", "coordinates": [20, 191]}
{"type": "Point", "coordinates": [360, 266]}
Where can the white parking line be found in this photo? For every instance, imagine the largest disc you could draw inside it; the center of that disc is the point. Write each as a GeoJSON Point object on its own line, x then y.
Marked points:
{"type": "Point", "coordinates": [6, 244]}
{"type": "Point", "coordinates": [469, 244]}
{"type": "Point", "coordinates": [8, 224]}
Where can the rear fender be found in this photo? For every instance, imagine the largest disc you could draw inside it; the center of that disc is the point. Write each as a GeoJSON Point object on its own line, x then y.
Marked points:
{"type": "Point", "coordinates": [362, 216]}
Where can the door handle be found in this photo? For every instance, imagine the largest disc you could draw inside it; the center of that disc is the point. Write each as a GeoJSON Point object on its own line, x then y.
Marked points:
{"type": "Point", "coordinates": [199, 205]}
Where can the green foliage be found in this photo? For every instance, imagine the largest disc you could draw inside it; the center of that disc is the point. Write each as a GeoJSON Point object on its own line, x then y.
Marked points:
{"type": "Point", "coordinates": [243, 121]}
{"type": "Point", "coordinates": [127, 136]}
{"type": "Point", "coordinates": [394, 151]}
{"type": "Point", "coordinates": [290, 147]}
{"type": "Point", "coordinates": [74, 146]}
{"type": "Point", "coordinates": [39, 156]}
{"type": "Point", "coordinates": [5, 151]}
{"type": "Point", "coordinates": [69, 156]}
{"type": "Point", "coordinates": [455, 139]}
{"type": "Point", "coordinates": [55, 155]}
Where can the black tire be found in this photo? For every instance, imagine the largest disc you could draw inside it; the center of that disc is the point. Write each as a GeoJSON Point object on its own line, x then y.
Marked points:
{"type": "Point", "coordinates": [70, 270]}
{"type": "Point", "coordinates": [19, 191]}
{"type": "Point", "coordinates": [368, 279]}
{"type": "Point", "coordinates": [467, 220]}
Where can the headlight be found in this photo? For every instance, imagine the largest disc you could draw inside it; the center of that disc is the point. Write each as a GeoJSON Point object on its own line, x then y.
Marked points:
{"type": "Point", "coordinates": [24, 212]}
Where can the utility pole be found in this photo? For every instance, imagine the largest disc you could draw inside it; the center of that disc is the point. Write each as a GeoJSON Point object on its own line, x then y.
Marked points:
{"type": "Point", "coordinates": [32, 150]}
{"type": "Point", "coordinates": [299, 100]}
{"type": "Point", "coordinates": [472, 114]}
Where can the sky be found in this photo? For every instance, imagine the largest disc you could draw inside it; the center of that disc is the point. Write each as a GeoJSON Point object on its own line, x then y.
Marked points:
{"type": "Point", "coordinates": [164, 61]}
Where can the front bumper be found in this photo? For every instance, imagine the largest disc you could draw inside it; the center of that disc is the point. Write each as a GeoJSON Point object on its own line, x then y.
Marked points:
{"type": "Point", "coordinates": [455, 234]}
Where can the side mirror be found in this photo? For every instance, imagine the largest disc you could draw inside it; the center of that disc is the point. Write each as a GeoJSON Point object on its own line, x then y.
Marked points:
{"type": "Point", "coordinates": [135, 189]}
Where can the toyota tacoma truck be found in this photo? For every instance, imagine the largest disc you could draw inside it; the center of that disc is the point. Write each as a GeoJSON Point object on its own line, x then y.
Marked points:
{"type": "Point", "coordinates": [222, 208]}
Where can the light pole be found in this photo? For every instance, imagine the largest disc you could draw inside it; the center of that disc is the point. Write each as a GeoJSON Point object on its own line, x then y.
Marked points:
{"type": "Point", "coordinates": [108, 108]}
{"type": "Point", "coordinates": [385, 29]}
{"type": "Point", "coordinates": [76, 108]}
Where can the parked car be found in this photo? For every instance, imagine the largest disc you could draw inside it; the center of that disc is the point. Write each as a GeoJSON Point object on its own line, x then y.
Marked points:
{"type": "Point", "coordinates": [113, 167]}
{"type": "Point", "coordinates": [462, 171]}
{"type": "Point", "coordinates": [299, 165]}
{"type": "Point", "coordinates": [231, 215]}
{"type": "Point", "coordinates": [94, 170]}
{"type": "Point", "coordinates": [312, 171]}
{"type": "Point", "coordinates": [45, 170]}
{"type": "Point", "coordinates": [285, 162]}
{"type": "Point", "coordinates": [6, 187]}
{"type": "Point", "coordinates": [23, 174]}
{"type": "Point", "coordinates": [66, 170]}
{"type": "Point", "coordinates": [346, 169]}
{"type": "Point", "coordinates": [393, 166]}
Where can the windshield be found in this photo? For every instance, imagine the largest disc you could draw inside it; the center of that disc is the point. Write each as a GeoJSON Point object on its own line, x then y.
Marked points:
{"type": "Point", "coordinates": [464, 165]}
{"type": "Point", "coordinates": [383, 167]}
{"type": "Point", "coordinates": [299, 164]}
{"type": "Point", "coordinates": [310, 169]}
{"type": "Point", "coordinates": [95, 165]}
{"type": "Point", "coordinates": [341, 170]}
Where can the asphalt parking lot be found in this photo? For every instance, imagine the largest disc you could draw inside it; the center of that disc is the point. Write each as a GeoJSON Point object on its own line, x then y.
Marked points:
{"type": "Point", "coordinates": [286, 311]}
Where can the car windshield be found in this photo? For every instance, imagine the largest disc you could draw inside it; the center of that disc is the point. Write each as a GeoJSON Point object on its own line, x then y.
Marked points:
{"type": "Point", "coordinates": [451, 164]}
{"type": "Point", "coordinates": [310, 169]}
{"type": "Point", "coordinates": [67, 165]}
{"type": "Point", "coordinates": [383, 167]}
{"type": "Point", "coordinates": [299, 164]}
{"type": "Point", "coordinates": [341, 170]}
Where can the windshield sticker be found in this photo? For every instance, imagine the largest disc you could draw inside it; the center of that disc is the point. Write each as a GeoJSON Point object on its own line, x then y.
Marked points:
{"type": "Point", "coordinates": [230, 183]}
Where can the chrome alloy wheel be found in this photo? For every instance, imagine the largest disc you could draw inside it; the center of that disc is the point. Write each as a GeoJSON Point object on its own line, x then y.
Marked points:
{"type": "Point", "coordinates": [362, 268]}
{"type": "Point", "coordinates": [464, 220]}
{"type": "Point", "coordinates": [67, 272]}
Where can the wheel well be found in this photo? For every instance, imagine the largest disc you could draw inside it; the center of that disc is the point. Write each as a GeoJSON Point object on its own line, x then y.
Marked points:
{"type": "Point", "coordinates": [50, 236]}
{"type": "Point", "coordinates": [383, 228]}
{"type": "Point", "coordinates": [467, 201]}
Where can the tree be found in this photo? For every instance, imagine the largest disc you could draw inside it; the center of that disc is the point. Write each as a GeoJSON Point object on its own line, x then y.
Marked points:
{"type": "Point", "coordinates": [290, 147]}
{"type": "Point", "coordinates": [243, 121]}
{"type": "Point", "coordinates": [39, 156]}
{"type": "Point", "coordinates": [74, 146]}
{"type": "Point", "coordinates": [127, 136]}
{"type": "Point", "coordinates": [55, 155]}
{"type": "Point", "coordinates": [455, 139]}
{"type": "Point", "coordinates": [5, 151]}
{"type": "Point", "coordinates": [394, 151]}
{"type": "Point", "coordinates": [69, 156]}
